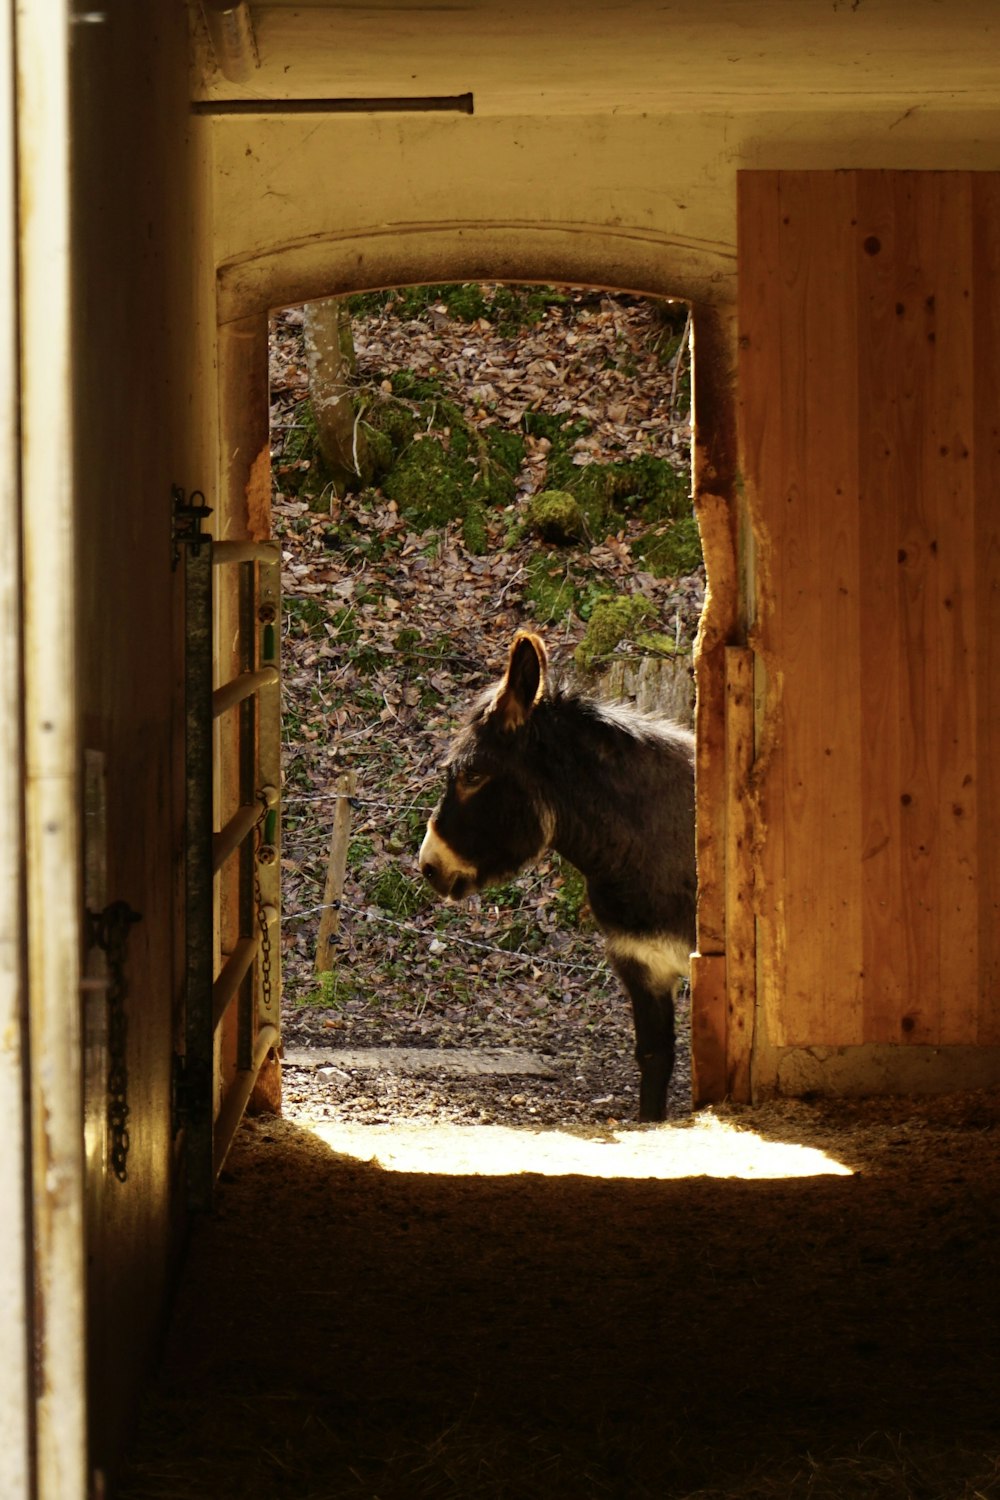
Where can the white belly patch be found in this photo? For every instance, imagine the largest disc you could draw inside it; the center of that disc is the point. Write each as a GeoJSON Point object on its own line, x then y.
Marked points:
{"type": "Point", "coordinates": [668, 959]}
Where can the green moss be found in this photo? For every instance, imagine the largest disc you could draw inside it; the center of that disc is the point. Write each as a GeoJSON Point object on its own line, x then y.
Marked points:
{"type": "Point", "coordinates": [508, 308]}
{"type": "Point", "coordinates": [609, 495]}
{"type": "Point", "coordinates": [512, 308]}
{"type": "Point", "coordinates": [562, 433]}
{"type": "Point", "coordinates": [426, 484]}
{"type": "Point", "coordinates": [401, 302]}
{"type": "Point", "coordinates": [305, 616]}
{"type": "Point", "coordinates": [413, 387]}
{"type": "Point", "coordinates": [300, 470]}
{"type": "Point", "coordinates": [397, 893]}
{"type": "Point", "coordinates": [611, 622]}
{"type": "Point", "coordinates": [555, 516]}
{"type": "Point", "coordinates": [439, 479]}
{"type": "Point", "coordinates": [405, 639]}
{"type": "Point", "coordinates": [505, 448]}
{"type": "Point", "coordinates": [336, 988]}
{"type": "Point", "coordinates": [474, 533]}
{"type": "Point", "coordinates": [550, 592]}
{"type": "Point", "coordinates": [648, 487]}
{"type": "Point", "coordinates": [655, 640]}
{"type": "Point", "coordinates": [671, 550]}
{"type": "Point", "coordinates": [571, 894]}
{"type": "Point", "coordinates": [395, 420]}
{"type": "Point", "coordinates": [378, 454]}
{"type": "Point", "coordinates": [465, 302]}
{"type": "Point", "coordinates": [560, 584]}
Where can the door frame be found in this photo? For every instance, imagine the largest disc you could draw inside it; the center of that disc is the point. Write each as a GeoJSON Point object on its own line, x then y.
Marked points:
{"type": "Point", "coordinates": [623, 260]}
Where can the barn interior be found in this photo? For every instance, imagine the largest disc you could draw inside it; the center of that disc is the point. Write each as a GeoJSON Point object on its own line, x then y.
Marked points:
{"type": "Point", "coordinates": [819, 182]}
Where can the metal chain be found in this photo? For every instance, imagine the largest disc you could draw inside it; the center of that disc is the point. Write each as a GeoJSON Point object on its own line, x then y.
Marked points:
{"type": "Point", "coordinates": [262, 922]}
{"type": "Point", "coordinates": [109, 931]}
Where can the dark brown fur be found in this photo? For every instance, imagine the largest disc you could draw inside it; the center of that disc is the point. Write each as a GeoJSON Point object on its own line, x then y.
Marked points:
{"type": "Point", "coordinates": [613, 792]}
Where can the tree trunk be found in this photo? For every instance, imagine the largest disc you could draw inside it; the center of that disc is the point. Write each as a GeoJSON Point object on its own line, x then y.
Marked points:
{"type": "Point", "coordinates": [330, 355]}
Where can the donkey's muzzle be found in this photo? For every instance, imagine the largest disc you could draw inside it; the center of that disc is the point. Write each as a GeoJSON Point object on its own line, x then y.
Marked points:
{"type": "Point", "coordinates": [442, 868]}
{"type": "Point", "coordinates": [435, 876]}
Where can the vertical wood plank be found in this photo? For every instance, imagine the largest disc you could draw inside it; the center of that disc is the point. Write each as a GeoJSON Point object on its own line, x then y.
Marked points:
{"type": "Point", "coordinates": [740, 937]}
{"type": "Point", "coordinates": [708, 1028]}
{"type": "Point", "coordinates": [919, 664]}
{"type": "Point", "coordinates": [986, 462]}
{"type": "Point", "coordinates": [942, 209]}
{"type": "Point", "coordinates": [761, 442]}
{"type": "Point", "coordinates": [714, 474]}
{"type": "Point", "coordinates": [828, 685]}
{"type": "Point", "coordinates": [887, 441]}
{"type": "Point", "coordinates": [919, 548]}
{"type": "Point", "coordinates": [15, 1225]}
{"type": "Point", "coordinates": [810, 497]}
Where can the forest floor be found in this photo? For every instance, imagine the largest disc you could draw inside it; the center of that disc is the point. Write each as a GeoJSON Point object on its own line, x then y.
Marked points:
{"type": "Point", "coordinates": [390, 632]}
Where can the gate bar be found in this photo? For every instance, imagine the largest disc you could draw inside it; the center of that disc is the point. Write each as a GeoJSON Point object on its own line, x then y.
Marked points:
{"type": "Point", "coordinates": [240, 1089]}
{"type": "Point", "coordinates": [238, 688]}
{"type": "Point", "coordinates": [229, 839]}
{"type": "Point", "coordinates": [240, 552]}
{"type": "Point", "coordinates": [231, 977]}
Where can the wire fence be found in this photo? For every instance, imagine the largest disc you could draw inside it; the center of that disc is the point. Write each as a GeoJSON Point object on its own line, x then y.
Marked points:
{"type": "Point", "coordinates": [517, 957]}
{"type": "Point", "coordinates": [512, 957]}
{"type": "Point", "coordinates": [332, 795]}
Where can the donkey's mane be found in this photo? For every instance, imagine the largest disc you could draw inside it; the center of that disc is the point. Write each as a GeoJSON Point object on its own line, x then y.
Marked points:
{"type": "Point", "coordinates": [617, 714]}
{"type": "Point", "coordinates": [565, 702]}
{"type": "Point", "coordinates": [637, 723]}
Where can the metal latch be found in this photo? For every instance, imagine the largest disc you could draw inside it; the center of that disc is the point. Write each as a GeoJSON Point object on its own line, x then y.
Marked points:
{"type": "Point", "coordinates": [186, 517]}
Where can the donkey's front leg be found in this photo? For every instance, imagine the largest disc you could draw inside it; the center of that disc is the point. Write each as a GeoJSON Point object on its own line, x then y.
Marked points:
{"type": "Point", "coordinates": [654, 1052]}
{"type": "Point", "coordinates": [653, 1015]}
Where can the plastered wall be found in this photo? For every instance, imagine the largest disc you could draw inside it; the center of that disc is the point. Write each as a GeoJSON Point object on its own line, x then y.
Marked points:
{"type": "Point", "coordinates": [639, 199]}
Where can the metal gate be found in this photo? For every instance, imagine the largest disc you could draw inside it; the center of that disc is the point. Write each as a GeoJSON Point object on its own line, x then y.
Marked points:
{"type": "Point", "coordinates": [232, 831]}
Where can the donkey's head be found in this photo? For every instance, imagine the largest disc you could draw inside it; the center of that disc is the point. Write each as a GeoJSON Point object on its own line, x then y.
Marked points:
{"type": "Point", "coordinates": [493, 817]}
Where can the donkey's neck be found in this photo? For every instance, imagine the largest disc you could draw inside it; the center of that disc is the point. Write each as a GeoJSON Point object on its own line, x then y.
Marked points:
{"type": "Point", "coordinates": [619, 790]}
{"type": "Point", "coordinates": [590, 775]}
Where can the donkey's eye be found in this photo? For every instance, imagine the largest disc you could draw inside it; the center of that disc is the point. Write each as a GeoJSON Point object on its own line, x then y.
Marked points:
{"type": "Point", "coordinates": [467, 783]}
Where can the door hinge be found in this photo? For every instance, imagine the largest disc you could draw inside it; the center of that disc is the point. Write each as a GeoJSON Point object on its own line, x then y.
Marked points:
{"type": "Point", "coordinates": [186, 515]}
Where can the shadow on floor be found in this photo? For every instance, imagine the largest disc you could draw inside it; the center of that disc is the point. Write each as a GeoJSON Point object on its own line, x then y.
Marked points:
{"type": "Point", "coordinates": [344, 1330]}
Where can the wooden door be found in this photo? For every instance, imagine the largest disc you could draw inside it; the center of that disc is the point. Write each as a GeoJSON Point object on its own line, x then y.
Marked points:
{"type": "Point", "coordinates": [869, 321]}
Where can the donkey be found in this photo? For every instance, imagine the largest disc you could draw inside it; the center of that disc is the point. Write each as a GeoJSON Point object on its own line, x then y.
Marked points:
{"type": "Point", "coordinates": [538, 766]}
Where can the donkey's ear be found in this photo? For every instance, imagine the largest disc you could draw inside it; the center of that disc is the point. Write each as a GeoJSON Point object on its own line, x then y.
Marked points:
{"type": "Point", "coordinates": [523, 683]}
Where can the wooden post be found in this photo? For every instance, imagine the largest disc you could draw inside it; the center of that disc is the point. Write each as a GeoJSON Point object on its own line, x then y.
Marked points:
{"type": "Point", "coordinates": [741, 956]}
{"type": "Point", "coordinates": [329, 924]}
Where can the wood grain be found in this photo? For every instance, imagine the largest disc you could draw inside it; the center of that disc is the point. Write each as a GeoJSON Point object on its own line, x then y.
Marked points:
{"type": "Point", "coordinates": [761, 438]}
{"type": "Point", "coordinates": [986, 470]}
{"type": "Point", "coordinates": [878, 336]}
{"type": "Point", "coordinates": [741, 987]}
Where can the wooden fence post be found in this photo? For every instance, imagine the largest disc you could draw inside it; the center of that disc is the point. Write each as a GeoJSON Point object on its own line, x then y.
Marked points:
{"type": "Point", "coordinates": [329, 922]}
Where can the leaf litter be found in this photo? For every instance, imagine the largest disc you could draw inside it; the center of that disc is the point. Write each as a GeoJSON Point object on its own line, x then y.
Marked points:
{"type": "Point", "coordinates": [389, 632]}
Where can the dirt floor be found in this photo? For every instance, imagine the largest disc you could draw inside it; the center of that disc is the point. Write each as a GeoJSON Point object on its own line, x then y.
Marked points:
{"type": "Point", "coordinates": [437, 1285]}
{"type": "Point", "coordinates": [504, 1311]}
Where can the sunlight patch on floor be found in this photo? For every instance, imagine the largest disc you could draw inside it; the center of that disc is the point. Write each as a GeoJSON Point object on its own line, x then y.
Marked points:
{"type": "Point", "coordinates": [704, 1147]}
